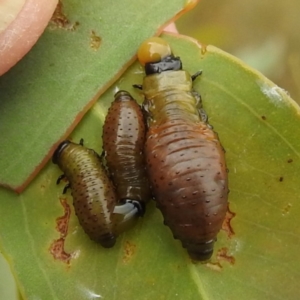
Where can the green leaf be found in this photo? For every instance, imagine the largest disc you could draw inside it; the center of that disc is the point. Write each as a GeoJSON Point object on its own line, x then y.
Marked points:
{"type": "Point", "coordinates": [47, 93]}
{"type": "Point", "coordinates": [256, 259]}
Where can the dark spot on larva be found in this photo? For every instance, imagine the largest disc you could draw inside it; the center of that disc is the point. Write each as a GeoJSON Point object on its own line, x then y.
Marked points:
{"type": "Point", "coordinates": [264, 118]}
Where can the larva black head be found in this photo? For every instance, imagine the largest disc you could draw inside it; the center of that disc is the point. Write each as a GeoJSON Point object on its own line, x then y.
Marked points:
{"type": "Point", "coordinates": [169, 63]}
{"type": "Point", "coordinates": [156, 55]}
{"type": "Point", "coordinates": [59, 150]}
{"type": "Point", "coordinates": [123, 96]}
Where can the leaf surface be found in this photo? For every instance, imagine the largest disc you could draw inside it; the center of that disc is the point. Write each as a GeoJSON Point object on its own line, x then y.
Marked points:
{"type": "Point", "coordinates": [255, 256]}
{"type": "Point", "coordinates": [85, 47]}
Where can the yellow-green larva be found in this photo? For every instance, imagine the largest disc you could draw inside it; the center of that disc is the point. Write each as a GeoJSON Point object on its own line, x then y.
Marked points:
{"type": "Point", "coordinates": [94, 198]}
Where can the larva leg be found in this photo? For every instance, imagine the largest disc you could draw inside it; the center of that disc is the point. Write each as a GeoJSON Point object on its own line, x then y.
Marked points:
{"type": "Point", "coordinates": [196, 75]}
{"type": "Point", "coordinates": [81, 142]}
{"type": "Point", "coordinates": [66, 188]}
{"type": "Point", "coordinates": [102, 157]}
{"type": "Point", "coordinates": [138, 86]}
{"type": "Point", "coordinates": [59, 179]}
{"type": "Point", "coordinates": [198, 99]}
{"type": "Point", "coordinates": [146, 113]}
{"type": "Point", "coordinates": [201, 111]}
{"type": "Point", "coordinates": [203, 115]}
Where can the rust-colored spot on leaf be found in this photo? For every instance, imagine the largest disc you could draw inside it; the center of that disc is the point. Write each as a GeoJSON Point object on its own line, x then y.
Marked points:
{"type": "Point", "coordinates": [280, 179]}
{"type": "Point", "coordinates": [222, 254]}
{"type": "Point", "coordinates": [58, 251]}
{"type": "Point", "coordinates": [129, 251]}
{"type": "Point", "coordinates": [290, 161]}
{"type": "Point", "coordinates": [60, 20]}
{"type": "Point", "coordinates": [62, 224]}
{"type": "Point", "coordinates": [63, 221]}
{"type": "Point", "coordinates": [226, 226]}
{"type": "Point", "coordinates": [95, 41]}
{"type": "Point", "coordinates": [264, 118]}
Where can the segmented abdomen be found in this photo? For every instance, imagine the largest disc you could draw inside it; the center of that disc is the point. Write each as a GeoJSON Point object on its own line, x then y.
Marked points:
{"type": "Point", "coordinates": [123, 143]}
{"type": "Point", "coordinates": [93, 194]}
{"type": "Point", "coordinates": [187, 172]}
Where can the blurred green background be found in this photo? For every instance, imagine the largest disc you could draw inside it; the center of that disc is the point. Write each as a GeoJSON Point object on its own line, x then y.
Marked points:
{"type": "Point", "coordinates": [263, 33]}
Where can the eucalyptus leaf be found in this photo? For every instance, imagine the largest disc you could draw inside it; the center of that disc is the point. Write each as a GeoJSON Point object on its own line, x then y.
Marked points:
{"type": "Point", "coordinates": [83, 50]}
{"type": "Point", "coordinates": [255, 259]}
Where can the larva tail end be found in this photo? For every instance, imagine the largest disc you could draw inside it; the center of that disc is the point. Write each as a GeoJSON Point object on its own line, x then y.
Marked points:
{"type": "Point", "coordinates": [201, 252]}
{"type": "Point", "coordinates": [107, 241]}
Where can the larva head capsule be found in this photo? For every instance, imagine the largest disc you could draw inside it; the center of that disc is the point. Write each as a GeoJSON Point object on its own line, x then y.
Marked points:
{"type": "Point", "coordinates": [59, 150]}
{"type": "Point", "coordinates": [156, 55]}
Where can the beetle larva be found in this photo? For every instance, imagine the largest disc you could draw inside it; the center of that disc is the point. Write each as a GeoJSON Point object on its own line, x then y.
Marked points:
{"type": "Point", "coordinates": [94, 196]}
{"type": "Point", "coordinates": [124, 136]}
{"type": "Point", "coordinates": [185, 160]}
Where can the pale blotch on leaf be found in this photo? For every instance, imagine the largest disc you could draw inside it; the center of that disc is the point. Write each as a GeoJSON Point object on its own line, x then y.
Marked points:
{"type": "Point", "coordinates": [286, 209]}
{"type": "Point", "coordinates": [95, 41]}
{"type": "Point", "coordinates": [129, 251]}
